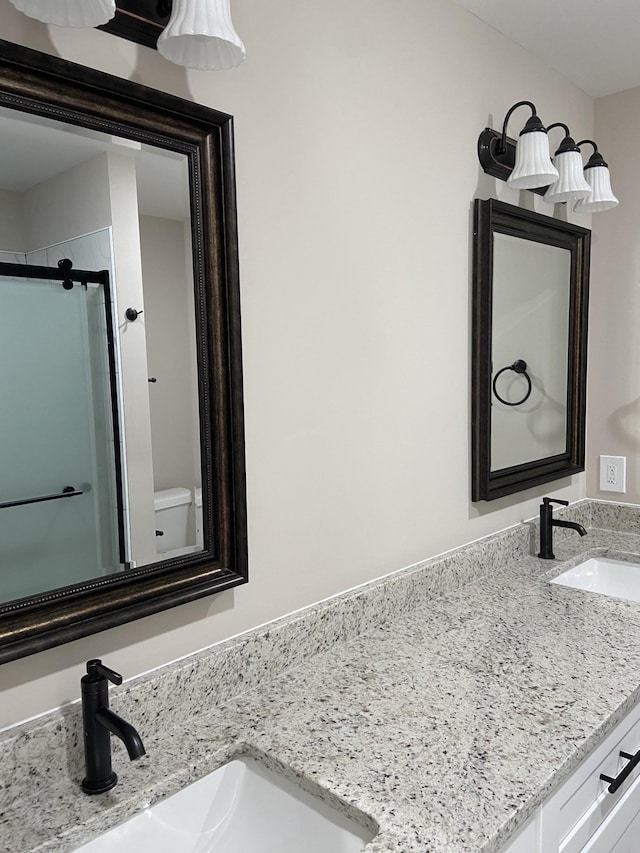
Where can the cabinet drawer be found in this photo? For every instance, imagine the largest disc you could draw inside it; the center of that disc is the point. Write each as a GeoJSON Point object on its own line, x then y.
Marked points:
{"type": "Point", "coordinates": [618, 833]}
{"type": "Point", "coordinates": [583, 803]}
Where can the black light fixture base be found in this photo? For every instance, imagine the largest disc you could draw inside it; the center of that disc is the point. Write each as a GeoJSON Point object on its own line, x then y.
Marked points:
{"type": "Point", "coordinates": [499, 164]}
{"type": "Point", "coordinates": [140, 21]}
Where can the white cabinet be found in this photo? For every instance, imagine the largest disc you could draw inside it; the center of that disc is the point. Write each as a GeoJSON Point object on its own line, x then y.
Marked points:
{"type": "Point", "coordinates": [582, 816]}
{"type": "Point", "coordinates": [526, 839]}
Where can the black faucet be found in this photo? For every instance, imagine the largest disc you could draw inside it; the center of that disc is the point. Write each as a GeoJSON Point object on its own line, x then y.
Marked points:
{"type": "Point", "coordinates": [548, 522]}
{"type": "Point", "coordinates": [99, 722]}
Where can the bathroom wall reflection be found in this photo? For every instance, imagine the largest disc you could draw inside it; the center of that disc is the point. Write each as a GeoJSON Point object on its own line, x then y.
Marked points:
{"type": "Point", "coordinates": [105, 203]}
{"type": "Point", "coordinates": [530, 311]}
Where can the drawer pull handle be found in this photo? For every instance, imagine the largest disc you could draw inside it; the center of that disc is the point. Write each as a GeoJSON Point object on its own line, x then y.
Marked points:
{"type": "Point", "coordinates": [626, 771]}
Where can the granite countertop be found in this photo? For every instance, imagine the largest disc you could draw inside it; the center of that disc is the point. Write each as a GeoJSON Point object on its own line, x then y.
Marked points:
{"type": "Point", "coordinates": [442, 728]}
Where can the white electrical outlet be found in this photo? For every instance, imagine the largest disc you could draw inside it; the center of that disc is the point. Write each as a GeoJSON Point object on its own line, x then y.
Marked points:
{"type": "Point", "coordinates": [613, 474]}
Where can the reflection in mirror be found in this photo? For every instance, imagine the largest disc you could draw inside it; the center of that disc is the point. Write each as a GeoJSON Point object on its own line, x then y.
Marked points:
{"type": "Point", "coordinates": [531, 275]}
{"type": "Point", "coordinates": [530, 322]}
{"type": "Point", "coordinates": [123, 475]}
{"type": "Point", "coordinates": [104, 203]}
{"type": "Point", "coordinates": [59, 489]}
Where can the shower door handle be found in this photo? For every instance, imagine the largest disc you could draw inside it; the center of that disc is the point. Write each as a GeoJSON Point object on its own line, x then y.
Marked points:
{"type": "Point", "coordinates": [67, 492]}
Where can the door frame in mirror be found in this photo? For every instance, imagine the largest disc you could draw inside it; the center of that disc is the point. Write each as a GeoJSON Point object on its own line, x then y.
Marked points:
{"type": "Point", "coordinates": [490, 217]}
{"type": "Point", "coordinates": [48, 86]}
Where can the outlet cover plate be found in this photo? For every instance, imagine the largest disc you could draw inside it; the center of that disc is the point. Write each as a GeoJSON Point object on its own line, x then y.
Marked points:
{"type": "Point", "coordinates": [613, 474]}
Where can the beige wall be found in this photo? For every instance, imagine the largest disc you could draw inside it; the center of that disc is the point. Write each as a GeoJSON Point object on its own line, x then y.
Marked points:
{"type": "Point", "coordinates": [356, 128]}
{"type": "Point", "coordinates": [614, 364]}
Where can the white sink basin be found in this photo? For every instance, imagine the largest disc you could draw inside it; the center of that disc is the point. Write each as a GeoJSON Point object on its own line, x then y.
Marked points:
{"type": "Point", "coordinates": [239, 808]}
{"type": "Point", "coordinates": [617, 578]}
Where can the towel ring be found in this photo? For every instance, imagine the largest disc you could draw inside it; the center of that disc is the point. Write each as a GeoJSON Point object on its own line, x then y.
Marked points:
{"type": "Point", "coordinates": [518, 366]}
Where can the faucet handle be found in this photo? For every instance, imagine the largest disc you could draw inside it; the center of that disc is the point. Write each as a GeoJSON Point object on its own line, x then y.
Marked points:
{"type": "Point", "coordinates": [549, 501]}
{"type": "Point", "coordinates": [96, 669]}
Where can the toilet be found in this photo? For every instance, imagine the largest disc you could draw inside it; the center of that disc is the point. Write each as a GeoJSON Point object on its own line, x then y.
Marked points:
{"type": "Point", "coordinates": [172, 519]}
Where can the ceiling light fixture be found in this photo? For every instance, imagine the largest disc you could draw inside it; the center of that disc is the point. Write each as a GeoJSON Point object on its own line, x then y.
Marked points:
{"type": "Point", "coordinates": [199, 33]}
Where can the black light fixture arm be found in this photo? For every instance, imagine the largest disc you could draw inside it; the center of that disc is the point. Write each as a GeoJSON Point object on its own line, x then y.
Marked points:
{"type": "Point", "coordinates": [568, 143]}
{"type": "Point", "coordinates": [502, 145]}
{"type": "Point", "coordinates": [596, 158]}
{"type": "Point", "coordinates": [561, 124]}
{"type": "Point", "coordinates": [588, 142]}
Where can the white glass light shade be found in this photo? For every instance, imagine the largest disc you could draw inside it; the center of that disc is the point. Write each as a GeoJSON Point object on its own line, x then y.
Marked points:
{"type": "Point", "coordinates": [68, 13]}
{"type": "Point", "coordinates": [571, 184]}
{"type": "Point", "coordinates": [200, 34]}
{"type": "Point", "coordinates": [533, 166]}
{"type": "Point", "coordinates": [601, 196]}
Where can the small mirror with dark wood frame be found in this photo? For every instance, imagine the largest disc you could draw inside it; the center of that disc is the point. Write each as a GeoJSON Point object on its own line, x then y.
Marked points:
{"type": "Point", "coordinates": [530, 310]}
{"type": "Point", "coordinates": [107, 186]}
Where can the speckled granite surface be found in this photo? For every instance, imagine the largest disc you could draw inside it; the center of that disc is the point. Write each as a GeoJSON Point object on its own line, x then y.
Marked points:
{"type": "Point", "coordinates": [438, 706]}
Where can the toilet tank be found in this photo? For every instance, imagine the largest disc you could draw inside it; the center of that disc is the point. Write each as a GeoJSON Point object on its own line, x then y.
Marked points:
{"type": "Point", "coordinates": [172, 518]}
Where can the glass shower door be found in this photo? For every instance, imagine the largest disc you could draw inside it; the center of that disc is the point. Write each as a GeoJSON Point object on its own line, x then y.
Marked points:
{"type": "Point", "coordinates": [59, 495]}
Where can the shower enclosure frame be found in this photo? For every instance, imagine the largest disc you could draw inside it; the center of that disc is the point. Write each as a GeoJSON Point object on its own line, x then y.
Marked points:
{"type": "Point", "coordinates": [67, 277]}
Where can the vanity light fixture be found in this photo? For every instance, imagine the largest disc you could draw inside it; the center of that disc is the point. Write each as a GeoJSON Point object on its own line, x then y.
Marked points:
{"type": "Point", "coordinates": [523, 164]}
{"type": "Point", "coordinates": [199, 33]}
{"type": "Point", "coordinates": [570, 184]}
{"type": "Point", "coordinates": [533, 167]}
{"type": "Point", "coordinates": [598, 177]}
{"type": "Point", "coordinates": [68, 13]}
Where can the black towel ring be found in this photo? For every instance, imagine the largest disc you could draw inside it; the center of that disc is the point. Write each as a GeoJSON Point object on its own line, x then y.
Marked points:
{"type": "Point", "coordinates": [518, 366]}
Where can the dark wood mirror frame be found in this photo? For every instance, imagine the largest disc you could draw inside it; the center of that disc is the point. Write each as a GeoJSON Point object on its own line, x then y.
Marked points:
{"type": "Point", "coordinates": [47, 86]}
{"type": "Point", "coordinates": [492, 217]}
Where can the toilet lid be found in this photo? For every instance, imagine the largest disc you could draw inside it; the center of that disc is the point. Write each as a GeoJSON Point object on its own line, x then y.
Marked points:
{"type": "Point", "coordinates": [171, 497]}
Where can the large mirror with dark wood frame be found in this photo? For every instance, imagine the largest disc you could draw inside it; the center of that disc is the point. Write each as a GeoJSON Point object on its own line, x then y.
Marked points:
{"type": "Point", "coordinates": [530, 304]}
{"type": "Point", "coordinates": [121, 436]}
